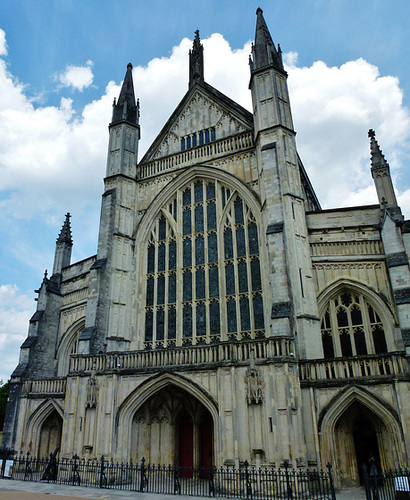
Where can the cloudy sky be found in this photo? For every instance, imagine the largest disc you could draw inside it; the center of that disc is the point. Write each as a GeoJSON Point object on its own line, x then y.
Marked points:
{"type": "Point", "coordinates": [62, 63]}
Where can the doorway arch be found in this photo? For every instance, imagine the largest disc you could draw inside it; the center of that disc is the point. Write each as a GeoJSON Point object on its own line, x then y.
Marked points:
{"type": "Point", "coordinates": [50, 435]}
{"type": "Point", "coordinates": [144, 406]}
{"type": "Point", "coordinates": [172, 425]}
{"type": "Point", "coordinates": [355, 424]}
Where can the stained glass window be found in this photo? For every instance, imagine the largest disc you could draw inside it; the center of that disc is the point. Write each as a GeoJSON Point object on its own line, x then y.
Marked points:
{"type": "Point", "coordinates": [206, 261]}
{"type": "Point", "coordinates": [351, 327]}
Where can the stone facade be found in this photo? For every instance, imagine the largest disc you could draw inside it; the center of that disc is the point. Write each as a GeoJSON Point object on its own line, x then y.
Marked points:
{"type": "Point", "coordinates": [226, 316]}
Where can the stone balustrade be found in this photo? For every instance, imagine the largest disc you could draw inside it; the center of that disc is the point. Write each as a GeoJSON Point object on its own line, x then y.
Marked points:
{"type": "Point", "coordinates": [325, 370]}
{"type": "Point", "coordinates": [222, 353]}
{"type": "Point", "coordinates": [198, 154]}
{"type": "Point", "coordinates": [45, 386]}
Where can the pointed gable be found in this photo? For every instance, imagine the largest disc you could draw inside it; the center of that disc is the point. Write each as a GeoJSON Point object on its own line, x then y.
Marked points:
{"type": "Point", "coordinates": [203, 115]}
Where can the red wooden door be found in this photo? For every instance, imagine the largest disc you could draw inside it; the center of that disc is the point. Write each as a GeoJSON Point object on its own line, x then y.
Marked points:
{"type": "Point", "coordinates": [206, 433]}
{"type": "Point", "coordinates": [186, 444]}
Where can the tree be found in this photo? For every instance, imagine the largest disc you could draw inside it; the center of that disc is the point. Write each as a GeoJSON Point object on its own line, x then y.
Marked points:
{"type": "Point", "coordinates": [4, 392]}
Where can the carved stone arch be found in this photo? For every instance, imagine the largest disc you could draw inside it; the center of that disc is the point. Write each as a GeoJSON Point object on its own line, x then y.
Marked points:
{"type": "Point", "coordinates": [371, 295]}
{"type": "Point", "coordinates": [35, 422]}
{"type": "Point", "coordinates": [190, 174]}
{"type": "Point", "coordinates": [134, 401]}
{"type": "Point", "coordinates": [245, 314]}
{"type": "Point", "coordinates": [65, 346]}
{"type": "Point", "coordinates": [378, 409]}
{"type": "Point", "coordinates": [376, 300]}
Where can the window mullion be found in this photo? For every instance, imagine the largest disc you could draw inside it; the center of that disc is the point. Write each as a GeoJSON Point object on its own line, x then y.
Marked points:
{"type": "Point", "coordinates": [335, 328]}
{"type": "Point", "coordinates": [367, 324]}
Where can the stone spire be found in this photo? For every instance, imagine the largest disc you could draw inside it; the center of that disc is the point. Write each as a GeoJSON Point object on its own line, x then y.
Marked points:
{"type": "Point", "coordinates": [196, 62]}
{"type": "Point", "coordinates": [126, 109]}
{"type": "Point", "coordinates": [382, 179]}
{"type": "Point", "coordinates": [264, 52]}
{"type": "Point", "coordinates": [65, 233]}
{"type": "Point", "coordinates": [64, 245]}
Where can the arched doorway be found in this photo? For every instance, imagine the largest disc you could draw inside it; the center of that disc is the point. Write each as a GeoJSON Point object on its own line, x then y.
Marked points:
{"type": "Point", "coordinates": [365, 442]}
{"type": "Point", "coordinates": [50, 435]}
{"type": "Point", "coordinates": [172, 425]}
{"type": "Point", "coordinates": [356, 438]}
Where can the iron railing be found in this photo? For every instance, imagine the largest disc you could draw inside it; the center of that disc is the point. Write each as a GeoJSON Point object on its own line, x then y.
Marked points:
{"type": "Point", "coordinates": [387, 485]}
{"type": "Point", "coordinates": [244, 482]}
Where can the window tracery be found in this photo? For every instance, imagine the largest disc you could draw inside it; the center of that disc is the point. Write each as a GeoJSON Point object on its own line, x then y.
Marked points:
{"type": "Point", "coordinates": [351, 326]}
{"type": "Point", "coordinates": [203, 278]}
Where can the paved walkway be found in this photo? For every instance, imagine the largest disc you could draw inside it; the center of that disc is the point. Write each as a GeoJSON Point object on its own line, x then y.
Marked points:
{"type": "Point", "coordinates": [26, 490]}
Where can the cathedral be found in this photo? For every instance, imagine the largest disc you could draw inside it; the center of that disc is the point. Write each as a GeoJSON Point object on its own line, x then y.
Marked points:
{"type": "Point", "coordinates": [225, 316]}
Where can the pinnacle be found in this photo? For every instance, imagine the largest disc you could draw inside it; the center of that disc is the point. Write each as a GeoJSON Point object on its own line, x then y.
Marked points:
{"type": "Point", "coordinates": [377, 157]}
{"type": "Point", "coordinates": [125, 108]}
{"type": "Point", "coordinates": [264, 51]}
{"type": "Point", "coordinates": [65, 233]}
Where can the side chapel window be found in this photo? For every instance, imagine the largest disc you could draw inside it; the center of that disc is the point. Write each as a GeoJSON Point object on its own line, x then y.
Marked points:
{"type": "Point", "coordinates": [203, 274]}
{"type": "Point", "coordinates": [351, 327]}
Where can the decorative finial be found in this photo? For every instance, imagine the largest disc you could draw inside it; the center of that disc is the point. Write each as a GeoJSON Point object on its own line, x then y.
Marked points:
{"type": "Point", "coordinates": [45, 274]}
{"type": "Point", "coordinates": [259, 11]}
{"type": "Point", "coordinates": [65, 233]}
{"type": "Point", "coordinates": [371, 133]}
{"type": "Point", "coordinates": [129, 66]}
{"type": "Point", "coordinates": [196, 61]}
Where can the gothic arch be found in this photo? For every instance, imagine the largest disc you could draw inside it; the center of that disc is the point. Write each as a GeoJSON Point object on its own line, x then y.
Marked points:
{"type": "Point", "coordinates": [373, 314]}
{"type": "Point", "coordinates": [380, 411]}
{"type": "Point", "coordinates": [134, 401]}
{"type": "Point", "coordinates": [189, 175]}
{"type": "Point", "coordinates": [66, 346]}
{"type": "Point", "coordinates": [35, 422]}
{"type": "Point", "coordinates": [200, 276]}
{"type": "Point", "coordinates": [371, 295]}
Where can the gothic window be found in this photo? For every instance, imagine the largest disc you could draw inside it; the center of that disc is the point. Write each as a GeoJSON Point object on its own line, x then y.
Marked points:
{"type": "Point", "coordinates": [202, 276]}
{"type": "Point", "coordinates": [351, 327]}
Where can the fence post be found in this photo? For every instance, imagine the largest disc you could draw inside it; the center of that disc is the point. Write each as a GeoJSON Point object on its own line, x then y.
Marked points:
{"type": "Point", "coordinates": [211, 479]}
{"type": "Point", "coordinates": [289, 491]}
{"type": "Point", "coordinates": [76, 475]}
{"type": "Point", "coordinates": [332, 490]}
{"type": "Point", "coordinates": [248, 483]}
{"type": "Point", "coordinates": [177, 485]}
{"type": "Point", "coordinates": [143, 479]}
{"type": "Point", "coordinates": [102, 473]}
{"type": "Point", "coordinates": [27, 470]}
{"type": "Point", "coordinates": [366, 482]}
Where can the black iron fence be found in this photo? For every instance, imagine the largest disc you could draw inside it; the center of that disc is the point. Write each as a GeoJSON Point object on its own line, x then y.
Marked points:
{"type": "Point", "coordinates": [388, 485]}
{"type": "Point", "coordinates": [246, 482]}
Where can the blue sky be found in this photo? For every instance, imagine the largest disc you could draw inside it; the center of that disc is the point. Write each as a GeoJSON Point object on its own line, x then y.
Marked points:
{"type": "Point", "coordinates": [61, 64]}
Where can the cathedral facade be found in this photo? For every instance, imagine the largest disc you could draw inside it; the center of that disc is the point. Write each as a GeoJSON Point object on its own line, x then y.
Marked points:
{"type": "Point", "coordinates": [225, 316]}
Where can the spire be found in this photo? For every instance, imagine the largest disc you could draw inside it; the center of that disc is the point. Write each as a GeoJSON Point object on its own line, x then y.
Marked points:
{"type": "Point", "coordinates": [126, 109]}
{"type": "Point", "coordinates": [263, 50]}
{"type": "Point", "coordinates": [196, 62]}
{"type": "Point", "coordinates": [382, 179]}
{"type": "Point", "coordinates": [65, 233]}
{"type": "Point", "coordinates": [64, 245]}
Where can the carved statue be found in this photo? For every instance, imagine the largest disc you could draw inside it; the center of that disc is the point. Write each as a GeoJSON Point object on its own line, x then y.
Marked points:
{"type": "Point", "coordinates": [92, 392]}
{"type": "Point", "coordinates": [254, 382]}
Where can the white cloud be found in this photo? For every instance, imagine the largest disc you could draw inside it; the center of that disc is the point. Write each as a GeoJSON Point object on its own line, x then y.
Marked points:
{"type": "Point", "coordinates": [15, 311]}
{"type": "Point", "coordinates": [333, 108]}
{"type": "Point", "coordinates": [3, 45]}
{"type": "Point", "coordinates": [77, 77]}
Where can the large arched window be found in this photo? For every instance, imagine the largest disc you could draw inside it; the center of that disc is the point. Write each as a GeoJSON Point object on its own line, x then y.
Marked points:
{"type": "Point", "coordinates": [351, 326]}
{"type": "Point", "coordinates": [203, 273]}
{"type": "Point", "coordinates": [68, 347]}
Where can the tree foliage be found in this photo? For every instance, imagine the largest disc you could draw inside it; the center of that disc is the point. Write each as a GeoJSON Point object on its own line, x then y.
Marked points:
{"type": "Point", "coordinates": [4, 392]}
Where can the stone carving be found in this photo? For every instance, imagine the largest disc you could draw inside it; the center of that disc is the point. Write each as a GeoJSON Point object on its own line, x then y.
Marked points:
{"type": "Point", "coordinates": [254, 382]}
{"type": "Point", "coordinates": [92, 392]}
